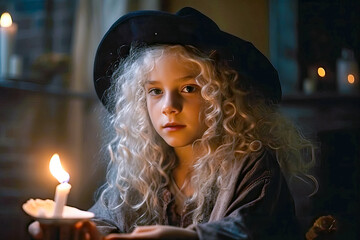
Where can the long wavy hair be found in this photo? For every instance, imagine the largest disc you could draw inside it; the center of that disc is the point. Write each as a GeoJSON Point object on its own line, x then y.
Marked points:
{"type": "Point", "coordinates": [238, 122]}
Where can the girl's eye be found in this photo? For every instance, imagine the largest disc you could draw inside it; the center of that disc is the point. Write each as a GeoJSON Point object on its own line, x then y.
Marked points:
{"type": "Point", "coordinates": [189, 89]}
{"type": "Point", "coordinates": [155, 92]}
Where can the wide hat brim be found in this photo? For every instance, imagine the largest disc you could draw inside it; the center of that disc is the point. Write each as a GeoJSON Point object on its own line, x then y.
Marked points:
{"type": "Point", "coordinates": [186, 27]}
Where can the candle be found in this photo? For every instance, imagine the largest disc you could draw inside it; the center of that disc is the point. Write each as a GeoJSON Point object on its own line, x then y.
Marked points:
{"type": "Point", "coordinates": [63, 189]}
{"type": "Point", "coordinates": [347, 72]}
{"type": "Point", "coordinates": [15, 66]}
{"type": "Point", "coordinates": [8, 31]}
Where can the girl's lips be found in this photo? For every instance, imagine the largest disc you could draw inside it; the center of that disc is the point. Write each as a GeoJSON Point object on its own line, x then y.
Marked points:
{"type": "Point", "coordinates": [173, 127]}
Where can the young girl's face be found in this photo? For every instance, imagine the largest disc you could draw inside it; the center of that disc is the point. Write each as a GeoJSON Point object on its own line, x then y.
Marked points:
{"type": "Point", "coordinates": [174, 101]}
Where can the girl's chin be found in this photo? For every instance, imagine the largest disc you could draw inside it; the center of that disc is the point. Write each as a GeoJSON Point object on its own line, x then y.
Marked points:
{"type": "Point", "coordinates": [177, 144]}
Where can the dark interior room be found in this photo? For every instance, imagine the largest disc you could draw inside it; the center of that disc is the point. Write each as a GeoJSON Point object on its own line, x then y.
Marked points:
{"type": "Point", "coordinates": [48, 102]}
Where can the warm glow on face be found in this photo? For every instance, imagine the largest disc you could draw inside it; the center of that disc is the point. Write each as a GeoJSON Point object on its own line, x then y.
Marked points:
{"type": "Point", "coordinates": [5, 20]}
{"type": "Point", "coordinates": [56, 169]}
{"type": "Point", "coordinates": [351, 79]}
{"type": "Point", "coordinates": [321, 72]}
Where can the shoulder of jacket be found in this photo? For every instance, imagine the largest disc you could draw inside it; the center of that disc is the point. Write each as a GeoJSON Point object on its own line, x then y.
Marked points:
{"type": "Point", "coordinates": [263, 160]}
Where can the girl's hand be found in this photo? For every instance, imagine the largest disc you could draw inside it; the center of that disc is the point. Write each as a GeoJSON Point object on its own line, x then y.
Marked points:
{"type": "Point", "coordinates": [35, 230]}
{"type": "Point", "coordinates": [156, 232]}
{"type": "Point", "coordinates": [86, 230]}
{"type": "Point", "coordinates": [83, 230]}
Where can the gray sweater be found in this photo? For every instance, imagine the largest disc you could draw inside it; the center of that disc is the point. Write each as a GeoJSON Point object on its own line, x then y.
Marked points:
{"type": "Point", "coordinates": [256, 204]}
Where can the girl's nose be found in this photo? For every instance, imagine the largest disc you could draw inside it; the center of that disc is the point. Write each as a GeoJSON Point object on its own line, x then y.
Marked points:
{"type": "Point", "coordinates": [172, 104]}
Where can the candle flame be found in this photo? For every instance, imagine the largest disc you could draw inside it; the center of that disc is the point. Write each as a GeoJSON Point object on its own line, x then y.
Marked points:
{"type": "Point", "coordinates": [5, 20]}
{"type": "Point", "coordinates": [321, 72]}
{"type": "Point", "coordinates": [351, 78]}
{"type": "Point", "coordinates": [56, 169]}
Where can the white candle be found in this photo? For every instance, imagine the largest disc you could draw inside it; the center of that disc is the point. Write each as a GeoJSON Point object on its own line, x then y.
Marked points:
{"type": "Point", "coordinates": [347, 72]}
{"type": "Point", "coordinates": [63, 189]}
{"type": "Point", "coordinates": [8, 31]}
{"type": "Point", "coordinates": [15, 66]}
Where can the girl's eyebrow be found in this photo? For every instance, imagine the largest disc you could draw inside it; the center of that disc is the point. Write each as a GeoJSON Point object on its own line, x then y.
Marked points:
{"type": "Point", "coordinates": [180, 79]}
{"type": "Point", "coordinates": [186, 78]}
{"type": "Point", "coordinates": [151, 82]}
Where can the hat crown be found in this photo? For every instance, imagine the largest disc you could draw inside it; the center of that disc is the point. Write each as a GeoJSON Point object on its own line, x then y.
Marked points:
{"type": "Point", "coordinates": [194, 14]}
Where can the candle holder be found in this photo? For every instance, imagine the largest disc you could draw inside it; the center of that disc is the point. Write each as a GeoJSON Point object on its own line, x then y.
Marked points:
{"type": "Point", "coordinates": [54, 227]}
{"type": "Point", "coordinates": [43, 211]}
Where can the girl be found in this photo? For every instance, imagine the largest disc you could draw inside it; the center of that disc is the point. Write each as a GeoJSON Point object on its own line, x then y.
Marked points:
{"type": "Point", "coordinates": [200, 150]}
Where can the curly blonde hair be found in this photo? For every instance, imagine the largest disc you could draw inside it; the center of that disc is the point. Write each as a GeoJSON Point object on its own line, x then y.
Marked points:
{"type": "Point", "coordinates": [237, 121]}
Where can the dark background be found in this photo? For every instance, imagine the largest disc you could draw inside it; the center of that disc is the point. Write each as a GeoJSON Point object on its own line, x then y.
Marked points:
{"type": "Point", "coordinates": [38, 119]}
